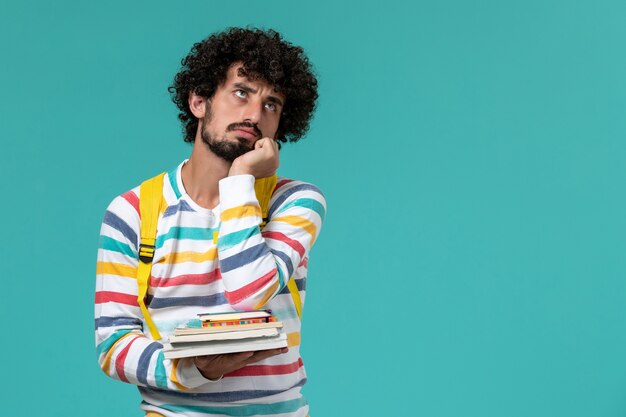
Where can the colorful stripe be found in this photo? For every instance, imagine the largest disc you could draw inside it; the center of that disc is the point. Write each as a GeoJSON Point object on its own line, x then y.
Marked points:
{"type": "Point", "coordinates": [300, 283]}
{"type": "Point", "coordinates": [132, 199]}
{"type": "Point", "coordinates": [301, 222]}
{"type": "Point", "coordinates": [281, 279]}
{"type": "Point", "coordinates": [104, 321]}
{"type": "Point", "coordinates": [196, 301]}
{"type": "Point", "coordinates": [106, 363]}
{"type": "Point", "coordinates": [286, 194]}
{"type": "Point", "coordinates": [121, 358]}
{"type": "Point", "coordinates": [172, 177]}
{"type": "Point", "coordinates": [110, 341]}
{"type": "Point", "coordinates": [235, 238]}
{"type": "Point", "coordinates": [187, 279]}
{"type": "Point", "coordinates": [174, 375]}
{"type": "Point", "coordinates": [293, 339]}
{"type": "Point", "coordinates": [283, 407]}
{"type": "Point", "coordinates": [197, 257]}
{"type": "Point", "coordinates": [180, 233]}
{"type": "Point", "coordinates": [258, 370]}
{"type": "Point", "coordinates": [116, 297]}
{"type": "Point", "coordinates": [144, 361]}
{"type": "Point", "coordinates": [224, 396]}
{"type": "Point", "coordinates": [160, 375]}
{"type": "Point", "coordinates": [286, 259]}
{"type": "Point", "coordinates": [240, 212]}
{"type": "Point", "coordinates": [244, 257]}
{"type": "Point", "coordinates": [235, 297]}
{"type": "Point", "coordinates": [267, 294]}
{"type": "Point", "coordinates": [108, 243]}
{"type": "Point", "coordinates": [114, 268]}
{"type": "Point", "coordinates": [113, 220]}
{"type": "Point", "coordinates": [281, 183]}
{"type": "Point", "coordinates": [308, 203]}
{"type": "Point", "coordinates": [294, 244]}
{"type": "Point", "coordinates": [182, 205]}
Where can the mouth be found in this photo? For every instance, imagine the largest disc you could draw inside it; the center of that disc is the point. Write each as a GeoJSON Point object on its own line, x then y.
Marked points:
{"type": "Point", "coordinates": [245, 130]}
{"type": "Point", "coordinates": [247, 133]}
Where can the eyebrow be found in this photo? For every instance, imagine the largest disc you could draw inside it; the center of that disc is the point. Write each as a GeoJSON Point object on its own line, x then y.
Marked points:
{"type": "Point", "coordinates": [247, 88]}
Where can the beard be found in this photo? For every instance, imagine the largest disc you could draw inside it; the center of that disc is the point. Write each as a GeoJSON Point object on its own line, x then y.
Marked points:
{"type": "Point", "coordinates": [224, 148]}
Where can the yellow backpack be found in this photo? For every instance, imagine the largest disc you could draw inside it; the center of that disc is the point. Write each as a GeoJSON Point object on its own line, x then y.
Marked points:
{"type": "Point", "coordinates": [151, 206]}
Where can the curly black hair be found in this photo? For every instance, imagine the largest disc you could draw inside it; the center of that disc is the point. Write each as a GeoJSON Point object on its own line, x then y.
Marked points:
{"type": "Point", "coordinates": [264, 55]}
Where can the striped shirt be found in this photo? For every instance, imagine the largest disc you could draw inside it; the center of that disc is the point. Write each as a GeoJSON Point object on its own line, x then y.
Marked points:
{"type": "Point", "coordinates": [206, 260]}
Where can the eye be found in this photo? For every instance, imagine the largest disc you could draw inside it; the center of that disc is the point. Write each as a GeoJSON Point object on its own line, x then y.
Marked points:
{"type": "Point", "coordinates": [271, 107]}
{"type": "Point", "coordinates": [241, 93]}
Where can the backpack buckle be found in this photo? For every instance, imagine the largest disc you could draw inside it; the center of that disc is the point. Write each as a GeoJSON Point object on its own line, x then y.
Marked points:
{"type": "Point", "coordinates": [146, 253]}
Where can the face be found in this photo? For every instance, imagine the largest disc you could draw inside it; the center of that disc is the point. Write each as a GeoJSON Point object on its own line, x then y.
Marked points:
{"type": "Point", "coordinates": [240, 113]}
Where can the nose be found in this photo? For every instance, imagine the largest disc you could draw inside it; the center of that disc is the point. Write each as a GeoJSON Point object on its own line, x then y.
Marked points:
{"type": "Point", "coordinates": [252, 111]}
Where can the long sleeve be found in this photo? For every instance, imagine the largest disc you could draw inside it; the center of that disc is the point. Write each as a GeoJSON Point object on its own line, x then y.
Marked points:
{"type": "Point", "coordinates": [124, 352]}
{"type": "Point", "coordinates": [256, 265]}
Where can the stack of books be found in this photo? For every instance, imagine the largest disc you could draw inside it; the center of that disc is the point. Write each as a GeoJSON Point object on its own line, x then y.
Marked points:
{"type": "Point", "coordinates": [218, 333]}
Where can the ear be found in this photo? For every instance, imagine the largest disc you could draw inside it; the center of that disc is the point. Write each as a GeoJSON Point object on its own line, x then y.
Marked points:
{"type": "Point", "coordinates": [197, 105]}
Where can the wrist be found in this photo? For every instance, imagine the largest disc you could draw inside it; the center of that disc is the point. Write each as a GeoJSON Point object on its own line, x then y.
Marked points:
{"type": "Point", "coordinates": [238, 169]}
{"type": "Point", "coordinates": [211, 376]}
{"type": "Point", "coordinates": [188, 374]}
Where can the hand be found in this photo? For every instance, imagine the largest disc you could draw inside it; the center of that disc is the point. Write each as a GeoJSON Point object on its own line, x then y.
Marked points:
{"type": "Point", "coordinates": [261, 162]}
{"type": "Point", "coordinates": [215, 366]}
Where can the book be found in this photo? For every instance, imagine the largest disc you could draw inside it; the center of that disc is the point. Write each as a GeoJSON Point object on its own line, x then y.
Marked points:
{"type": "Point", "coordinates": [238, 322]}
{"type": "Point", "coordinates": [234, 315]}
{"type": "Point", "coordinates": [174, 339]}
{"type": "Point", "coordinates": [222, 329]}
{"type": "Point", "coordinates": [186, 350]}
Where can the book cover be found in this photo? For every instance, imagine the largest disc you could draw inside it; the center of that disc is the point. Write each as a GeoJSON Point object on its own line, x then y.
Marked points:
{"type": "Point", "coordinates": [222, 329]}
{"type": "Point", "coordinates": [234, 315]}
{"type": "Point", "coordinates": [238, 322]}
{"type": "Point", "coordinates": [186, 350]}
{"type": "Point", "coordinates": [239, 334]}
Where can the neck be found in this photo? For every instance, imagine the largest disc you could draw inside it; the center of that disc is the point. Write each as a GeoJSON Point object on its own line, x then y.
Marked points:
{"type": "Point", "coordinates": [201, 175]}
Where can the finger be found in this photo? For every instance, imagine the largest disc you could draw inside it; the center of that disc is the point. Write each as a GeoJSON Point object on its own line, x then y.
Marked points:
{"type": "Point", "coordinates": [226, 360]}
{"type": "Point", "coordinates": [225, 363]}
{"type": "Point", "coordinates": [237, 359]}
{"type": "Point", "coordinates": [264, 354]}
{"type": "Point", "coordinates": [240, 356]}
{"type": "Point", "coordinates": [227, 356]}
{"type": "Point", "coordinates": [272, 146]}
{"type": "Point", "coordinates": [261, 143]}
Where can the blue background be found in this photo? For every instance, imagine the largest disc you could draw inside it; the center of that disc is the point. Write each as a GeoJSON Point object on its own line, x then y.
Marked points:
{"type": "Point", "coordinates": [472, 261]}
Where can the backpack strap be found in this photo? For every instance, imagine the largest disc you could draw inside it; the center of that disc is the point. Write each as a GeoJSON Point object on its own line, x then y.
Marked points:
{"type": "Point", "coordinates": [152, 205]}
{"type": "Point", "coordinates": [264, 188]}
{"type": "Point", "coordinates": [297, 302]}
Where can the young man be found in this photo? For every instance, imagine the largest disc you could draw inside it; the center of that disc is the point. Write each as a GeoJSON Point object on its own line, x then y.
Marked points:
{"type": "Point", "coordinates": [239, 92]}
